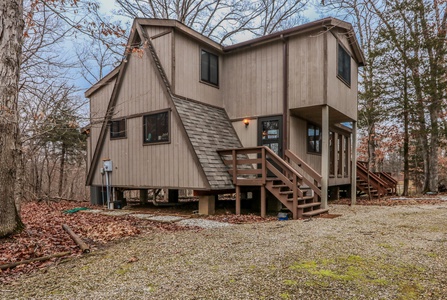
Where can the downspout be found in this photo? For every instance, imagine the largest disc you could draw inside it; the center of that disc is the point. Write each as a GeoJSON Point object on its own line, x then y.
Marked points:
{"type": "Point", "coordinates": [285, 103]}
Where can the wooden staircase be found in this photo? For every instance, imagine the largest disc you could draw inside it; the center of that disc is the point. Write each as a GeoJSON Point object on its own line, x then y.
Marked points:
{"type": "Point", "coordinates": [375, 184]}
{"type": "Point", "coordinates": [260, 166]}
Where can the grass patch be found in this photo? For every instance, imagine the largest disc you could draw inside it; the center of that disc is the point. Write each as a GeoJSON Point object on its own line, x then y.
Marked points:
{"type": "Point", "coordinates": [361, 274]}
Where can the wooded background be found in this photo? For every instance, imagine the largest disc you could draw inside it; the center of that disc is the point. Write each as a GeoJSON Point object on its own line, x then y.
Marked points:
{"type": "Point", "coordinates": [70, 44]}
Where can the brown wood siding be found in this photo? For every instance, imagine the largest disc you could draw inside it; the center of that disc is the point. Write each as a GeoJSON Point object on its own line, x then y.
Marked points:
{"type": "Point", "coordinates": [306, 70]}
{"type": "Point", "coordinates": [163, 45]}
{"type": "Point", "coordinates": [136, 165]}
{"type": "Point", "coordinates": [252, 82]}
{"type": "Point", "coordinates": [98, 106]}
{"type": "Point", "coordinates": [140, 90]}
{"type": "Point", "coordinates": [247, 135]}
{"type": "Point", "coordinates": [340, 96]}
{"type": "Point", "coordinates": [187, 72]}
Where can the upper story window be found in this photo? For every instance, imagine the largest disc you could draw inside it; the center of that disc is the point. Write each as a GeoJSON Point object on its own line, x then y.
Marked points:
{"type": "Point", "coordinates": [344, 65]}
{"type": "Point", "coordinates": [118, 129]}
{"type": "Point", "coordinates": [156, 128]}
{"type": "Point", "coordinates": [209, 68]}
{"type": "Point", "coordinates": [313, 138]}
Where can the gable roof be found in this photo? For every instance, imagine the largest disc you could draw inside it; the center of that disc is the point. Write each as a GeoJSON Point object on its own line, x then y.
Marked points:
{"type": "Point", "coordinates": [209, 129]}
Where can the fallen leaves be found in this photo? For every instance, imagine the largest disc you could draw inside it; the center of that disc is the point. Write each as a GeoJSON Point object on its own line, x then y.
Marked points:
{"type": "Point", "coordinates": [44, 235]}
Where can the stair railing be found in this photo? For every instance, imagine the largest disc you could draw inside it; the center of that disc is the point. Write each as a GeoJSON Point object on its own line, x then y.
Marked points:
{"type": "Point", "coordinates": [374, 180]}
{"type": "Point", "coordinates": [306, 169]}
{"type": "Point", "coordinates": [251, 166]}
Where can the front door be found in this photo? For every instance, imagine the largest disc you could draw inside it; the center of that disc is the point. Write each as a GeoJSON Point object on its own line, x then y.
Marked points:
{"type": "Point", "coordinates": [270, 133]}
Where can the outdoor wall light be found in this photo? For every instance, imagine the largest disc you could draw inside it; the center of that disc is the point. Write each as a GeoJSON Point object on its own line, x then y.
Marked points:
{"type": "Point", "coordinates": [246, 122]}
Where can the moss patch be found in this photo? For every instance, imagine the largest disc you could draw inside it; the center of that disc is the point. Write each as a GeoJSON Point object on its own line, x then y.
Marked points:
{"type": "Point", "coordinates": [365, 275]}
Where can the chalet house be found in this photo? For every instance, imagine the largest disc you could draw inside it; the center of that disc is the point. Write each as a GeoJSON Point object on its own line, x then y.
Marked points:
{"type": "Point", "coordinates": [274, 116]}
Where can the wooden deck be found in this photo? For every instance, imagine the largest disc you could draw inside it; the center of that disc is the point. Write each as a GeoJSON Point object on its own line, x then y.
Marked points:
{"type": "Point", "coordinates": [261, 167]}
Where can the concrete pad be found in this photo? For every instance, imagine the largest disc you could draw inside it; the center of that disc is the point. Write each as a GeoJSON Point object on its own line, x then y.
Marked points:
{"type": "Point", "coordinates": [166, 219]}
{"type": "Point", "coordinates": [143, 216]}
{"type": "Point", "coordinates": [115, 213]}
{"type": "Point", "coordinates": [92, 211]}
{"type": "Point", "coordinates": [203, 223]}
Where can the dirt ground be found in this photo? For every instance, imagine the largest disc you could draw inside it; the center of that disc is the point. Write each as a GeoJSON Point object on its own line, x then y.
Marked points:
{"type": "Point", "coordinates": [368, 252]}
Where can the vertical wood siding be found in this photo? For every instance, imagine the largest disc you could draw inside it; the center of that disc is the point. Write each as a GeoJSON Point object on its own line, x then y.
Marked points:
{"type": "Point", "coordinates": [98, 106]}
{"type": "Point", "coordinates": [340, 96]}
{"type": "Point", "coordinates": [252, 81]}
{"type": "Point", "coordinates": [135, 165]}
{"type": "Point", "coordinates": [163, 46]}
{"type": "Point", "coordinates": [187, 72]}
{"type": "Point", "coordinates": [306, 70]}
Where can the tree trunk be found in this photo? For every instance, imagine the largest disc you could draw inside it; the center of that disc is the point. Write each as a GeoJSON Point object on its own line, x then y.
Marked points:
{"type": "Point", "coordinates": [11, 31]}
{"type": "Point", "coordinates": [61, 171]}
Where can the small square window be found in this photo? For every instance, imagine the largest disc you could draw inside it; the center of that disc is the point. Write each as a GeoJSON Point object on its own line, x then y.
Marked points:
{"type": "Point", "coordinates": [156, 128]}
{"type": "Point", "coordinates": [313, 138]}
{"type": "Point", "coordinates": [209, 68]}
{"type": "Point", "coordinates": [344, 65]}
{"type": "Point", "coordinates": [118, 129]}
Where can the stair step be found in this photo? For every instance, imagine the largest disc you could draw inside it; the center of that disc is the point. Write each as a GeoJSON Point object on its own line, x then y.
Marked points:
{"type": "Point", "coordinates": [279, 186]}
{"type": "Point", "coordinates": [301, 199]}
{"type": "Point", "coordinates": [309, 205]}
{"type": "Point", "coordinates": [315, 212]}
{"type": "Point", "coordinates": [286, 193]}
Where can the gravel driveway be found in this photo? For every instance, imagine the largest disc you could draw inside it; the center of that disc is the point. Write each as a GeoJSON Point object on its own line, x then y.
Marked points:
{"type": "Point", "coordinates": [367, 253]}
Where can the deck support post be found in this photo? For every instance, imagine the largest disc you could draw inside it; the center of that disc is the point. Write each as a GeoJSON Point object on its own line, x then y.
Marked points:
{"type": "Point", "coordinates": [324, 155]}
{"type": "Point", "coordinates": [207, 205]}
{"type": "Point", "coordinates": [354, 163]}
{"type": "Point", "coordinates": [143, 197]}
{"type": "Point", "coordinates": [263, 202]}
{"type": "Point", "coordinates": [238, 200]}
{"type": "Point", "coordinates": [172, 196]}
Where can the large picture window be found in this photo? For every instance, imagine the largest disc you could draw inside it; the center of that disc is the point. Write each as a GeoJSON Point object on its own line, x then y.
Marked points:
{"type": "Point", "coordinates": [344, 65]}
{"type": "Point", "coordinates": [313, 138]}
{"type": "Point", "coordinates": [118, 129]}
{"type": "Point", "coordinates": [209, 71]}
{"type": "Point", "coordinates": [156, 128]}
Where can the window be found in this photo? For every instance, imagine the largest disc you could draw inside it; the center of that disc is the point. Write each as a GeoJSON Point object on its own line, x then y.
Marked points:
{"type": "Point", "coordinates": [118, 129]}
{"type": "Point", "coordinates": [313, 138]}
{"type": "Point", "coordinates": [156, 128]}
{"type": "Point", "coordinates": [209, 71]}
{"type": "Point", "coordinates": [344, 65]}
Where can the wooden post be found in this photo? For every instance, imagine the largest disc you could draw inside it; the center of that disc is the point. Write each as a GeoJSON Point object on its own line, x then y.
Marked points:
{"type": "Point", "coordinates": [263, 166]}
{"type": "Point", "coordinates": [234, 166]}
{"type": "Point", "coordinates": [324, 155]}
{"type": "Point", "coordinates": [143, 197]}
{"type": "Point", "coordinates": [354, 163]}
{"type": "Point", "coordinates": [207, 205]}
{"type": "Point", "coordinates": [295, 197]}
{"type": "Point", "coordinates": [263, 202]}
{"type": "Point", "coordinates": [238, 200]}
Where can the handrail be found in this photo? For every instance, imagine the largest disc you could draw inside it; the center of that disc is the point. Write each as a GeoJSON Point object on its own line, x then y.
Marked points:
{"type": "Point", "coordinates": [303, 165]}
{"type": "Point", "coordinates": [308, 169]}
{"type": "Point", "coordinates": [372, 175]}
{"type": "Point", "coordinates": [375, 181]}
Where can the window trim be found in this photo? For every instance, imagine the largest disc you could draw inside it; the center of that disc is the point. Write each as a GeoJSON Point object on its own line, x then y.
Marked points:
{"type": "Point", "coordinates": [124, 135]}
{"type": "Point", "coordinates": [308, 149]}
{"type": "Point", "coordinates": [204, 80]}
{"type": "Point", "coordinates": [340, 76]}
{"type": "Point", "coordinates": [146, 143]}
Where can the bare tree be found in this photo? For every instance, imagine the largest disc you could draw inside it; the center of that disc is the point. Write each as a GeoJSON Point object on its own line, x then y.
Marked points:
{"type": "Point", "coordinates": [11, 30]}
{"type": "Point", "coordinates": [220, 20]}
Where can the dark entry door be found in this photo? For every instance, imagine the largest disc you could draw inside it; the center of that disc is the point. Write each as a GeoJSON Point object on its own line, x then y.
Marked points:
{"type": "Point", "coordinates": [270, 133]}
